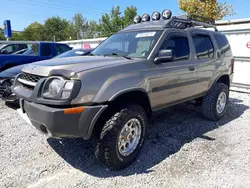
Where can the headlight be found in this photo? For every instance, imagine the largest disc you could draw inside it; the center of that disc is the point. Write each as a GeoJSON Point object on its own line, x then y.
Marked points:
{"type": "Point", "coordinates": [55, 87]}
{"type": "Point", "coordinates": [59, 88]}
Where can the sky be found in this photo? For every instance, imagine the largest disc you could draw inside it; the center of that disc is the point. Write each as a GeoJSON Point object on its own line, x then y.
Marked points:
{"type": "Point", "coordinates": [23, 12]}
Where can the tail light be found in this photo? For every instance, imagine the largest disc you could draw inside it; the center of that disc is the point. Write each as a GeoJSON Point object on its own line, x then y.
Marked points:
{"type": "Point", "coordinates": [232, 65]}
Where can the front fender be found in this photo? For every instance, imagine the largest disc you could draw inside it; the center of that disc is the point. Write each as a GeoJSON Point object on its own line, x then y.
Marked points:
{"type": "Point", "coordinates": [120, 84]}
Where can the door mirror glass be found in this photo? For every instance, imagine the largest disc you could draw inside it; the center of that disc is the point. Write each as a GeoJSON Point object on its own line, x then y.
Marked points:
{"type": "Point", "coordinates": [164, 56]}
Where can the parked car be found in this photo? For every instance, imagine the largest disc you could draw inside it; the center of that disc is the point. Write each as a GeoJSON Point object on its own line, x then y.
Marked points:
{"type": "Point", "coordinates": [12, 48]}
{"type": "Point", "coordinates": [141, 69]}
{"type": "Point", "coordinates": [36, 52]}
{"type": "Point", "coordinates": [7, 76]}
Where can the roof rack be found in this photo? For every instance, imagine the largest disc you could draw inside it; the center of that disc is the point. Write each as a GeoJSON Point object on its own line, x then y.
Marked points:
{"type": "Point", "coordinates": [184, 22]}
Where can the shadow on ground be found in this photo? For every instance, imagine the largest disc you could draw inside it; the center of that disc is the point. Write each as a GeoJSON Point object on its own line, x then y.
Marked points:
{"type": "Point", "coordinates": [168, 131]}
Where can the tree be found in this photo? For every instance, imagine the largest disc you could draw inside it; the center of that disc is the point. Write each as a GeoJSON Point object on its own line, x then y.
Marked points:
{"type": "Point", "coordinates": [93, 30]}
{"type": "Point", "coordinates": [56, 29]}
{"type": "Point", "coordinates": [34, 32]}
{"type": "Point", "coordinates": [115, 21]}
{"type": "Point", "coordinates": [1, 34]}
{"type": "Point", "coordinates": [17, 37]}
{"type": "Point", "coordinates": [80, 26]}
{"type": "Point", "coordinates": [129, 14]}
{"type": "Point", "coordinates": [206, 10]}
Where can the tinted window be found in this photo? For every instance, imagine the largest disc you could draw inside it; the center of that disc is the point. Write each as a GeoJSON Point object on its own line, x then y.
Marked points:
{"type": "Point", "coordinates": [223, 44]}
{"type": "Point", "coordinates": [203, 46]}
{"type": "Point", "coordinates": [22, 46]}
{"type": "Point", "coordinates": [45, 49]}
{"type": "Point", "coordinates": [180, 47]}
{"type": "Point", "coordinates": [60, 48]}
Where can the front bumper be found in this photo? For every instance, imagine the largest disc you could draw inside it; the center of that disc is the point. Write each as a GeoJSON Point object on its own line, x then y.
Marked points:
{"type": "Point", "coordinates": [6, 93]}
{"type": "Point", "coordinates": [55, 123]}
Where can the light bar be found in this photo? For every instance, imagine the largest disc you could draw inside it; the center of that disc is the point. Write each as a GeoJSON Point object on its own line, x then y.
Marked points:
{"type": "Point", "coordinates": [137, 19]}
{"type": "Point", "coordinates": [145, 18]}
{"type": "Point", "coordinates": [156, 15]}
{"type": "Point", "coordinates": [166, 14]}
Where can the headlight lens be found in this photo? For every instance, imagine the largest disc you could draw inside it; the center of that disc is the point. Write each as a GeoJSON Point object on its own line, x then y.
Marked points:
{"type": "Point", "coordinates": [59, 88]}
{"type": "Point", "coordinates": [55, 87]}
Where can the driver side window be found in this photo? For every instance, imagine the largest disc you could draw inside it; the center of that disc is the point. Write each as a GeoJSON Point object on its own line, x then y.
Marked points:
{"type": "Point", "coordinates": [180, 47]}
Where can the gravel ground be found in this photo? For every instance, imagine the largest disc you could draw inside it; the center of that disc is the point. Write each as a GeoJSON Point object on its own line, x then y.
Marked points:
{"type": "Point", "coordinates": [182, 150]}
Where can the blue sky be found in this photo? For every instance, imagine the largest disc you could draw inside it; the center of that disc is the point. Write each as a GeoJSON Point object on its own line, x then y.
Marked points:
{"type": "Point", "coordinates": [23, 12]}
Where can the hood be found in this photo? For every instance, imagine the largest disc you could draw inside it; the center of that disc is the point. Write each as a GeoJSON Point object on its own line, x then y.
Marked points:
{"type": "Point", "coordinates": [76, 64]}
{"type": "Point", "coordinates": [11, 72]}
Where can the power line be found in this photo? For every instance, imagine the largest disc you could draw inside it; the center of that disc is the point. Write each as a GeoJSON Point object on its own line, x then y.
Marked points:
{"type": "Point", "coordinates": [54, 7]}
{"type": "Point", "coordinates": [70, 5]}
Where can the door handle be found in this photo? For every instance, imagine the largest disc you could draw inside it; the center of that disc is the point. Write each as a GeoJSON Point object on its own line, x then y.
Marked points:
{"type": "Point", "coordinates": [191, 68]}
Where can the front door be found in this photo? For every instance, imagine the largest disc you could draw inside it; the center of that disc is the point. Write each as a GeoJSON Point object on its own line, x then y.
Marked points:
{"type": "Point", "coordinates": [175, 81]}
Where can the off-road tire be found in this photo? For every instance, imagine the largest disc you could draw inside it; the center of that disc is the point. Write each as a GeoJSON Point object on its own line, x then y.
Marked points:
{"type": "Point", "coordinates": [107, 150]}
{"type": "Point", "coordinates": [210, 100]}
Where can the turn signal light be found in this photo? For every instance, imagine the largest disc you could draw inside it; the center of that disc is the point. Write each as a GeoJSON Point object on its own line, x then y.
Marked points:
{"type": "Point", "coordinates": [75, 110]}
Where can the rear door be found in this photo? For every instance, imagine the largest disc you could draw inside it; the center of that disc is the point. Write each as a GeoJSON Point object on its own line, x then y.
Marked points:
{"type": "Point", "coordinates": [207, 60]}
{"type": "Point", "coordinates": [173, 82]}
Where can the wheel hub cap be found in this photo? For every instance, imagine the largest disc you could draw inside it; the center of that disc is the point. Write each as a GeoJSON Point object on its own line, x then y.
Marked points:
{"type": "Point", "coordinates": [221, 102]}
{"type": "Point", "coordinates": [129, 137]}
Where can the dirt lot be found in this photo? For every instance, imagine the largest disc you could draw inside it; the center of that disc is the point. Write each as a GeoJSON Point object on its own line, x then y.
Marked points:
{"type": "Point", "coordinates": [182, 150]}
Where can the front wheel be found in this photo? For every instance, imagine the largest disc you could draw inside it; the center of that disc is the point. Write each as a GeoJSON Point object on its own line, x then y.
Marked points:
{"type": "Point", "coordinates": [214, 104]}
{"type": "Point", "coordinates": [122, 137]}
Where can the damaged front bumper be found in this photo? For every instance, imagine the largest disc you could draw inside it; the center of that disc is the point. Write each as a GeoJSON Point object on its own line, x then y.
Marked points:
{"type": "Point", "coordinates": [6, 93]}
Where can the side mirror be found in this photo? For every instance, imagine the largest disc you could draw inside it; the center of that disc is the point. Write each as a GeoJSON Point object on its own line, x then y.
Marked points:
{"type": "Point", "coordinates": [164, 56]}
{"type": "Point", "coordinates": [3, 51]}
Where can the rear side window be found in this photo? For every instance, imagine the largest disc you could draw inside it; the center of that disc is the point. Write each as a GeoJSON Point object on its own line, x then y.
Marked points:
{"type": "Point", "coordinates": [223, 45]}
{"type": "Point", "coordinates": [60, 48]}
{"type": "Point", "coordinates": [45, 49]}
{"type": "Point", "coordinates": [180, 47]}
{"type": "Point", "coordinates": [203, 46]}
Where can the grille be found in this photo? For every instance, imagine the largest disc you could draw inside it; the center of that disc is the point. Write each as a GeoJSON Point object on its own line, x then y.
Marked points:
{"type": "Point", "coordinates": [31, 78]}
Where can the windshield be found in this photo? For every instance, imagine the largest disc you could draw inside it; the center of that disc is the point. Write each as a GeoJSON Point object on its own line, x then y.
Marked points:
{"type": "Point", "coordinates": [72, 53]}
{"type": "Point", "coordinates": [136, 44]}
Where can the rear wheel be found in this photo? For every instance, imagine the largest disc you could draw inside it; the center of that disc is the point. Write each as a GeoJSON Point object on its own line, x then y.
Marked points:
{"type": "Point", "coordinates": [214, 104]}
{"type": "Point", "coordinates": [122, 136]}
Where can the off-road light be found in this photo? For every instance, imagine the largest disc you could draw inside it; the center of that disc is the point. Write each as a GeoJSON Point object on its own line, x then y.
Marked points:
{"type": "Point", "coordinates": [145, 18]}
{"type": "Point", "coordinates": [137, 19]}
{"type": "Point", "coordinates": [156, 15]}
{"type": "Point", "coordinates": [166, 14]}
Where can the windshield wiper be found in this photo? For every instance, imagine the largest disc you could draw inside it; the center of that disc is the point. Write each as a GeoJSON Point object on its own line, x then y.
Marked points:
{"type": "Point", "coordinates": [119, 55]}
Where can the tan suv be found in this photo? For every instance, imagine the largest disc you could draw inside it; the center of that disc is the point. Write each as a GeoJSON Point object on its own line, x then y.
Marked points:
{"type": "Point", "coordinates": [110, 94]}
